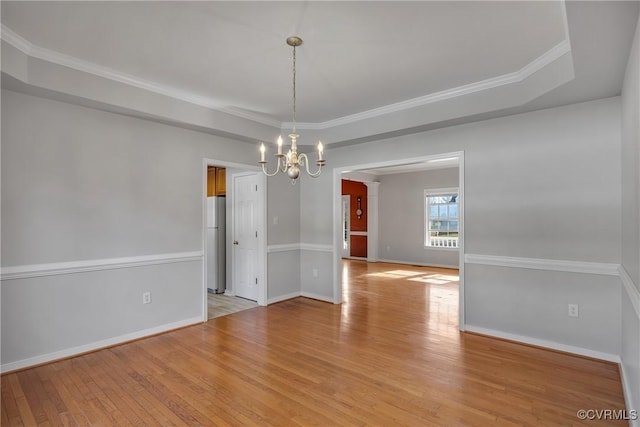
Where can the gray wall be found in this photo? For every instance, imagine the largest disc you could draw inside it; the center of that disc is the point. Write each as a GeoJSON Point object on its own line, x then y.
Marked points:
{"type": "Point", "coordinates": [56, 316]}
{"type": "Point", "coordinates": [316, 235]}
{"type": "Point", "coordinates": [401, 217]}
{"type": "Point", "coordinates": [283, 205]}
{"type": "Point", "coordinates": [630, 166]}
{"type": "Point", "coordinates": [283, 229]}
{"type": "Point", "coordinates": [540, 185]}
{"type": "Point", "coordinates": [316, 208]}
{"type": "Point", "coordinates": [631, 225]}
{"type": "Point", "coordinates": [127, 185]}
{"type": "Point", "coordinates": [80, 185]}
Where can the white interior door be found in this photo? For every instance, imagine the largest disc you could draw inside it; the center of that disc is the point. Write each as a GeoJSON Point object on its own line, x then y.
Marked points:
{"type": "Point", "coordinates": [245, 236]}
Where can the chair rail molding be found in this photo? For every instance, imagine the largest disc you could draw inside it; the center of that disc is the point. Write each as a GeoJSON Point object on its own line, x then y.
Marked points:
{"type": "Point", "coordinates": [288, 247]}
{"type": "Point", "coordinates": [586, 267]}
{"type": "Point", "coordinates": [72, 267]}
{"type": "Point", "coordinates": [631, 289]}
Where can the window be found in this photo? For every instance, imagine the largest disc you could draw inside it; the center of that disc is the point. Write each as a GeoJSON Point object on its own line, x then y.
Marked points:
{"type": "Point", "coordinates": [442, 220]}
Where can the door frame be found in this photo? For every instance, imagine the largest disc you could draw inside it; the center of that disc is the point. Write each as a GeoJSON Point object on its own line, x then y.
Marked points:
{"type": "Point", "coordinates": [346, 198]}
{"type": "Point", "coordinates": [337, 221]}
{"type": "Point", "coordinates": [261, 266]}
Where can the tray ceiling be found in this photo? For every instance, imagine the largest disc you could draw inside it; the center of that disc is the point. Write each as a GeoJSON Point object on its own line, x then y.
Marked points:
{"type": "Point", "coordinates": [390, 63]}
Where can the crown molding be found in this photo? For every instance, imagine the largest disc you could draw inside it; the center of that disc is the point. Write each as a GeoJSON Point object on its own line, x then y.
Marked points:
{"type": "Point", "coordinates": [243, 114]}
{"type": "Point", "coordinates": [58, 58]}
{"type": "Point", "coordinates": [16, 40]}
{"type": "Point", "coordinates": [72, 62]}
{"type": "Point", "coordinates": [537, 64]}
{"type": "Point", "coordinates": [34, 51]}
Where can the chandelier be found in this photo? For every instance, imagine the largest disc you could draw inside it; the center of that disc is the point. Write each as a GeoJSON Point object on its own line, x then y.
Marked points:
{"type": "Point", "coordinates": [292, 162]}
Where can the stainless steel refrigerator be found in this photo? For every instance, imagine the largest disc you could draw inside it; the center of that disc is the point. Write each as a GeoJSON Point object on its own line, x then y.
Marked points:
{"type": "Point", "coordinates": [216, 244]}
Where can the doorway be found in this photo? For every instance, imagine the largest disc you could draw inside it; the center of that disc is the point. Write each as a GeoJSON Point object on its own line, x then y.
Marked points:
{"type": "Point", "coordinates": [355, 217]}
{"type": "Point", "coordinates": [216, 242]}
{"type": "Point", "coordinates": [398, 165]}
{"type": "Point", "coordinates": [258, 212]}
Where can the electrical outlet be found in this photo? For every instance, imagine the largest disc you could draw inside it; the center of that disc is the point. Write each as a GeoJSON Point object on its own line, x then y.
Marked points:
{"type": "Point", "coordinates": [275, 220]}
{"type": "Point", "coordinates": [315, 272]}
{"type": "Point", "coordinates": [146, 298]}
{"type": "Point", "coordinates": [573, 310]}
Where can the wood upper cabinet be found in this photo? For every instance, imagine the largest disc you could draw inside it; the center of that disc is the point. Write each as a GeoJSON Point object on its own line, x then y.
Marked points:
{"type": "Point", "coordinates": [216, 181]}
{"type": "Point", "coordinates": [211, 181]}
{"type": "Point", "coordinates": [221, 181]}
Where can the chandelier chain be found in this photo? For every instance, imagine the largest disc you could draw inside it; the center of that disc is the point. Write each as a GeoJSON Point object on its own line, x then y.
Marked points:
{"type": "Point", "coordinates": [294, 90]}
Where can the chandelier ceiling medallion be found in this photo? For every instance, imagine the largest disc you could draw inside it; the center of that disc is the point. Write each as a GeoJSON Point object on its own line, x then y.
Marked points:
{"type": "Point", "coordinates": [292, 162]}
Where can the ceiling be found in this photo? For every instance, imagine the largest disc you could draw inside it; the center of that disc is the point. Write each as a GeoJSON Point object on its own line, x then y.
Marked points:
{"type": "Point", "coordinates": [365, 70]}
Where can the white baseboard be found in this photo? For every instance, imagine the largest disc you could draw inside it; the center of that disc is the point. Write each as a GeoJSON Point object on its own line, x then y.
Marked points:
{"type": "Point", "coordinates": [629, 287]}
{"type": "Point", "coordinates": [317, 296]}
{"type": "Point", "coordinates": [546, 344]}
{"type": "Point", "coordinates": [627, 395]}
{"type": "Point", "coordinates": [97, 345]}
{"type": "Point", "coordinates": [300, 294]}
{"type": "Point", "coordinates": [283, 297]}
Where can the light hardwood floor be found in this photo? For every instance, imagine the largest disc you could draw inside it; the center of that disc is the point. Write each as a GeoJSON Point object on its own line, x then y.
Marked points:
{"type": "Point", "coordinates": [222, 305]}
{"type": "Point", "coordinates": [390, 355]}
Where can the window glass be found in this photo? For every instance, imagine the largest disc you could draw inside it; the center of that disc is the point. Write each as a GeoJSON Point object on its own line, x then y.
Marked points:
{"type": "Point", "coordinates": [442, 223]}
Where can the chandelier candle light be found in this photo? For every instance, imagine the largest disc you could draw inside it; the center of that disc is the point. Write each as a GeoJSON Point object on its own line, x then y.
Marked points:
{"type": "Point", "coordinates": [291, 162]}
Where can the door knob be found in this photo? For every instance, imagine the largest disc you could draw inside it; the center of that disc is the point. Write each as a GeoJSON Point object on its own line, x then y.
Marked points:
{"type": "Point", "coordinates": [235, 242]}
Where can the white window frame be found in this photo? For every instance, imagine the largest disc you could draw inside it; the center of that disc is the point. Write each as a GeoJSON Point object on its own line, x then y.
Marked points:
{"type": "Point", "coordinates": [438, 192]}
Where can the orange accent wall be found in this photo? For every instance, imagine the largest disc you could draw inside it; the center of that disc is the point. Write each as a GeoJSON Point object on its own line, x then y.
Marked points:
{"type": "Point", "coordinates": [358, 246]}
{"type": "Point", "coordinates": [355, 189]}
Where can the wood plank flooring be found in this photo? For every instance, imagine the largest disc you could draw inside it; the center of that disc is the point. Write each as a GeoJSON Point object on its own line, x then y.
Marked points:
{"type": "Point", "coordinates": [222, 305]}
{"type": "Point", "coordinates": [390, 355]}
